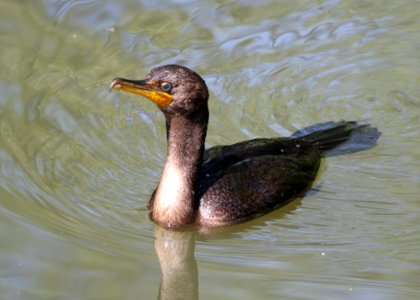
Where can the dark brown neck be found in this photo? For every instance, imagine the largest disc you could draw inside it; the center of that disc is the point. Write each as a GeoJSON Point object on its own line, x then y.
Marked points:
{"type": "Point", "coordinates": [173, 203]}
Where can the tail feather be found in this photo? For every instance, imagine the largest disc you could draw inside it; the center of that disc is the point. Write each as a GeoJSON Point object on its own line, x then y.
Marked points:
{"type": "Point", "coordinates": [342, 137]}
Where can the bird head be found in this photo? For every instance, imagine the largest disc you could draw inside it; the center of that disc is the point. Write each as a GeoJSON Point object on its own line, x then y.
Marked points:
{"type": "Point", "coordinates": [175, 89]}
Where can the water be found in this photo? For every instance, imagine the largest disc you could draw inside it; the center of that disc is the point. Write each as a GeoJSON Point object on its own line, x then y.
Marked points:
{"type": "Point", "coordinates": [78, 164]}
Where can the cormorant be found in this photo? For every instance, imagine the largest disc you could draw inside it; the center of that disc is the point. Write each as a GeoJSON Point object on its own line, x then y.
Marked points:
{"type": "Point", "coordinates": [231, 184]}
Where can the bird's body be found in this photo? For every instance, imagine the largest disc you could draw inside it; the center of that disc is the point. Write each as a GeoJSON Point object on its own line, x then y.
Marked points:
{"type": "Point", "coordinates": [226, 184]}
{"type": "Point", "coordinates": [248, 179]}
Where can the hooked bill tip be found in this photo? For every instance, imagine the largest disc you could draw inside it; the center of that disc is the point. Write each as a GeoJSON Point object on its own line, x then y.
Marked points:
{"type": "Point", "coordinates": [113, 84]}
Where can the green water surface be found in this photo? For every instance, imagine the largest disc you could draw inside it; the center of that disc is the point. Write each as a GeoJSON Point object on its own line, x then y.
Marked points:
{"type": "Point", "coordinates": [78, 164]}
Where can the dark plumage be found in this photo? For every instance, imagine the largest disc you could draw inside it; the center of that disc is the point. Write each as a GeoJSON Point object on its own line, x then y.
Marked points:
{"type": "Point", "coordinates": [228, 184]}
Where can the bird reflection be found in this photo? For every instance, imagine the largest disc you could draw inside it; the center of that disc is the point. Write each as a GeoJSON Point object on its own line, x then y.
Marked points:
{"type": "Point", "coordinates": [175, 250]}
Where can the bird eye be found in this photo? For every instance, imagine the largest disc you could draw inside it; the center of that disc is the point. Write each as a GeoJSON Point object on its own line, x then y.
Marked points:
{"type": "Point", "coordinates": [165, 86]}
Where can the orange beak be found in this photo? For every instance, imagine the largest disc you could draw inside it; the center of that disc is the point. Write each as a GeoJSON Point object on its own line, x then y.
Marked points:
{"type": "Point", "coordinates": [147, 89]}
